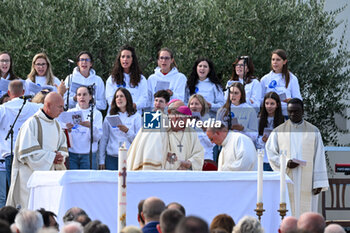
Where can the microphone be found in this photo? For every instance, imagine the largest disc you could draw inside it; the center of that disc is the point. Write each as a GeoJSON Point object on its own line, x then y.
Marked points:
{"type": "Point", "coordinates": [70, 61]}
{"type": "Point", "coordinates": [244, 57]}
{"type": "Point", "coordinates": [26, 97]}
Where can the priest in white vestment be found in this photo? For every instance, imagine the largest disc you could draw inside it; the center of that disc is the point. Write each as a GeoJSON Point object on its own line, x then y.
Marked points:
{"type": "Point", "coordinates": [238, 152]}
{"type": "Point", "coordinates": [40, 146]}
{"type": "Point", "coordinates": [175, 147]}
{"type": "Point", "coordinates": [302, 142]}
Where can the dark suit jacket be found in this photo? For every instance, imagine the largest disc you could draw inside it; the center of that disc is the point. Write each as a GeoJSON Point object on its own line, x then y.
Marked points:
{"type": "Point", "coordinates": [150, 227]}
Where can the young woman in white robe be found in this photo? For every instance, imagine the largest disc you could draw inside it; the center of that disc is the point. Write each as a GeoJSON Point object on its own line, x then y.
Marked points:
{"type": "Point", "coordinates": [113, 137]}
{"type": "Point", "coordinates": [167, 75]}
{"type": "Point", "coordinates": [280, 80]}
{"type": "Point", "coordinates": [79, 152]}
{"type": "Point", "coordinates": [6, 68]}
{"type": "Point", "coordinates": [270, 117]}
{"type": "Point", "coordinates": [41, 74]}
{"type": "Point", "coordinates": [127, 73]}
{"type": "Point", "coordinates": [237, 114]}
{"type": "Point", "coordinates": [243, 72]}
{"type": "Point", "coordinates": [204, 81]}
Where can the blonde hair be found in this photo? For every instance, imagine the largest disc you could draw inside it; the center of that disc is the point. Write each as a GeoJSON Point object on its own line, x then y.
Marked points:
{"type": "Point", "coordinates": [202, 101]}
{"type": "Point", "coordinates": [49, 74]}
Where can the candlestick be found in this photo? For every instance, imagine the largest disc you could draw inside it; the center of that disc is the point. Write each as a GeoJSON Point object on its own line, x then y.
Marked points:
{"type": "Point", "coordinates": [259, 210]}
{"type": "Point", "coordinates": [122, 155]}
{"type": "Point", "coordinates": [283, 177]}
{"type": "Point", "coordinates": [260, 175]}
{"type": "Point", "coordinates": [283, 210]}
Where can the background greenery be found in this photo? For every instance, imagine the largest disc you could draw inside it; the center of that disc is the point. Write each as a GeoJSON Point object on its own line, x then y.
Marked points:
{"type": "Point", "coordinates": [218, 29]}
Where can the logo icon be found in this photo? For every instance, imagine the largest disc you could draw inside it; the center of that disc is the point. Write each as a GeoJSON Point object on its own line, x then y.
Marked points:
{"type": "Point", "coordinates": [152, 120]}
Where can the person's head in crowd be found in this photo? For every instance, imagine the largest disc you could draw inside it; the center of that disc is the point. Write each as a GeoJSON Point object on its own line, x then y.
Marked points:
{"type": "Point", "coordinates": [96, 227]}
{"type": "Point", "coordinates": [72, 227]}
{"type": "Point", "coordinates": [161, 99]}
{"type": "Point", "coordinates": [169, 219]}
{"type": "Point", "coordinates": [53, 104]}
{"type": "Point", "coordinates": [139, 214]}
{"type": "Point", "coordinates": [40, 96]}
{"type": "Point", "coordinates": [178, 206]}
{"type": "Point", "coordinates": [4, 227]}
{"type": "Point", "coordinates": [217, 134]}
{"type": "Point", "coordinates": [131, 229]}
{"type": "Point", "coordinates": [248, 224]}
{"type": "Point", "coordinates": [5, 98]}
{"type": "Point", "coordinates": [192, 224]}
{"type": "Point", "coordinates": [271, 107]}
{"type": "Point", "coordinates": [41, 66]}
{"type": "Point", "coordinates": [6, 66]}
{"type": "Point", "coordinates": [72, 213]}
{"type": "Point", "coordinates": [49, 218]}
{"type": "Point", "coordinates": [312, 222]}
{"type": "Point", "coordinates": [174, 104]}
{"type": "Point", "coordinates": [8, 213]}
{"type": "Point", "coordinates": [152, 208]}
{"type": "Point", "coordinates": [197, 103]}
{"type": "Point", "coordinates": [236, 95]}
{"type": "Point", "coordinates": [279, 64]}
{"type": "Point", "coordinates": [202, 69]}
{"type": "Point", "coordinates": [84, 97]}
{"type": "Point", "coordinates": [122, 102]}
{"type": "Point", "coordinates": [288, 224]}
{"type": "Point", "coordinates": [295, 109]}
{"type": "Point", "coordinates": [15, 89]}
{"type": "Point", "coordinates": [242, 67]}
{"type": "Point", "coordinates": [83, 219]}
{"type": "Point", "coordinates": [28, 221]}
{"type": "Point", "coordinates": [178, 117]}
{"type": "Point", "coordinates": [223, 221]}
{"type": "Point", "coordinates": [334, 228]}
{"type": "Point", "coordinates": [85, 62]}
{"type": "Point", "coordinates": [126, 62]}
{"type": "Point", "coordinates": [166, 61]}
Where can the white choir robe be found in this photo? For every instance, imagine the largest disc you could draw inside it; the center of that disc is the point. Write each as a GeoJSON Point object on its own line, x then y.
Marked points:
{"type": "Point", "coordinates": [238, 153]}
{"type": "Point", "coordinates": [149, 150]}
{"type": "Point", "coordinates": [34, 151]}
{"type": "Point", "coordinates": [301, 141]}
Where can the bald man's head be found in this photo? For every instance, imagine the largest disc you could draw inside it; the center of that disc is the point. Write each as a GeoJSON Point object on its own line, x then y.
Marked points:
{"type": "Point", "coordinates": [334, 228]}
{"type": "Point", "coordinates": [288, 224]}
{"type": "Point", "coordinates": [311, 222]}
{"type": "Point", "coordinates": [152, 208]}
{"type": "Point", "coordinates": [15, 89]}
{"type": "Point", "coordinates": [53, 104]}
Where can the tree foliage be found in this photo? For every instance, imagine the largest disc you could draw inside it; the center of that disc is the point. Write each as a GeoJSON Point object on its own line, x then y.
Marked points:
{"type": "Point", "coordinates": [218, 29]}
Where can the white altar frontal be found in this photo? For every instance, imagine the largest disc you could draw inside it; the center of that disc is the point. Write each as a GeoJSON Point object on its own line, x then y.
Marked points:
{"type": "Point", "coordinates": [203, 194]}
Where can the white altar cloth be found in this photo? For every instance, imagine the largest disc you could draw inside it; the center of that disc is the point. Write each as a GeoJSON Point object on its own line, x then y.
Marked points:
{"type": "Point", "coordinates": [204, 194]}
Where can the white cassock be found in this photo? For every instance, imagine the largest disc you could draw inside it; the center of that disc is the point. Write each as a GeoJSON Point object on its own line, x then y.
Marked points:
{"type": "Point", "coordinates": [301, 141]}
{"type": "Point", "coordinates": [35, 148]}
{"type": "Point", "coordinates": [149, 150]}
{"type": "Point", "coordinates": [238, 153]}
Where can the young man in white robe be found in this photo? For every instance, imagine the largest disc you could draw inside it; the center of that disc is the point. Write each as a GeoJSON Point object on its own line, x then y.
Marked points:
{"type": "Point", "coordinates": [40, 146]}
{"type": "Point", "coordinates": [302, 141]}
{"type": "Point", "coordinates": [174, 148]}
{"type": "Point", "coordinates": [8, 113]}
{"type": "Point", "coordinates": [238, 152]}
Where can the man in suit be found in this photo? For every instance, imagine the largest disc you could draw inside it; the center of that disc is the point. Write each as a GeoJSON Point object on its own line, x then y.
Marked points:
{"type": "Point", "coordinates": [151, 210]}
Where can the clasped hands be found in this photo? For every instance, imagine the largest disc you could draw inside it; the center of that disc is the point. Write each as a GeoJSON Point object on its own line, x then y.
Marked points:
{"type": "Point", "coordinates": [184, 165]}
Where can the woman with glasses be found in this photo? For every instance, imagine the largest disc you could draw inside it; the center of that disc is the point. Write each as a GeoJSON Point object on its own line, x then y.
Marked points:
{"type": "Point", "coordinates": [85, 75]}
{"type": "Point", "coordinates": [41, 74]}
{"type": "Point", "coordinates": [204, 81]}
{"type": "Point", "coordinates": [167, 77]}
{"type": "Point", "coordinates": [243, 72]}
{"type": "Point", "coordinates": [237, 115]}
{"type": "Point", "coordinates": [6, 68]}
{"type": "Point", "coordinates": [127, 73]}
{"type": "Point", "coordinates": [281, 80]}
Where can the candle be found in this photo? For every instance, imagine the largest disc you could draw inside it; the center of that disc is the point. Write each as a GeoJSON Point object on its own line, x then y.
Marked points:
{"type": "Point", "coordinates": [122, 155]}
{"type": "Point", "coordinates": [283, 177]}
{"type": "Point", "coordinates": [260, 175]}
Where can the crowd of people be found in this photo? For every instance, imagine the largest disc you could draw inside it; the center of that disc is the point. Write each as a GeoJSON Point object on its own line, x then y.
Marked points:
{"type": "Point", "coordinates": [154, 216]}
{"type": "Point", "coordinates": [63, 127]}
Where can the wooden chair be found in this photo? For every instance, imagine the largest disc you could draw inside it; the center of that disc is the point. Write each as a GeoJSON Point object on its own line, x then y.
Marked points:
{"type": "Point", "coordinates": [337, 188]}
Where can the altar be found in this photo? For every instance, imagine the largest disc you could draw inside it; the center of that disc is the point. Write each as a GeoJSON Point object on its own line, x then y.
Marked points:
{"type": "Point", "coordinates": [203, 194]}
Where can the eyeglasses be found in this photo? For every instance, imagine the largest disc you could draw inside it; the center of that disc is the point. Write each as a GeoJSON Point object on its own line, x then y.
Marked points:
{"type": "Point", "coordinates": [40, 64]}
{"type": "Point", "coordinates": [85, 59]}
{"type": "Point", "coordinates": [164, 58]}
{"type": "Point", "coordinates": [5, 61]}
